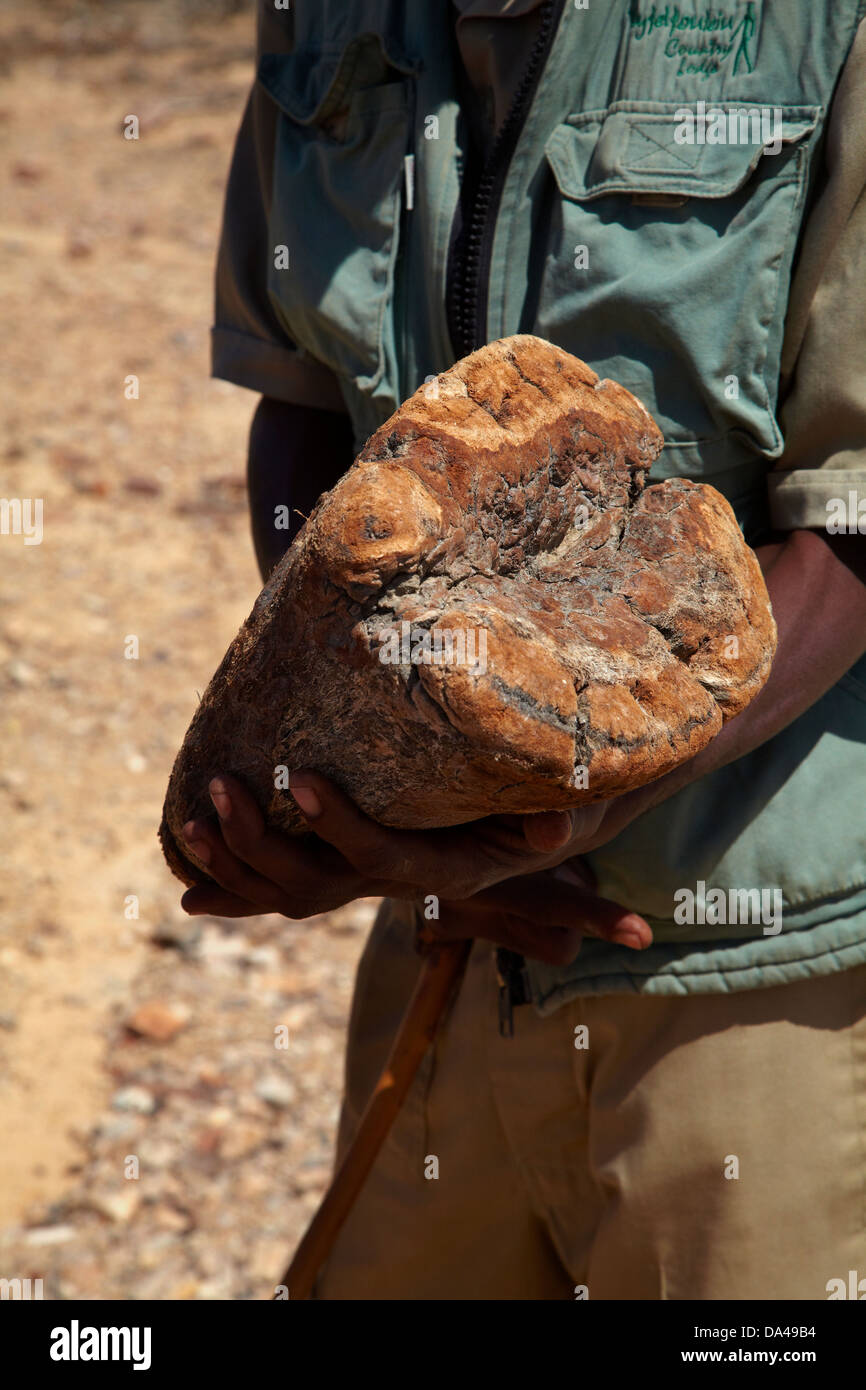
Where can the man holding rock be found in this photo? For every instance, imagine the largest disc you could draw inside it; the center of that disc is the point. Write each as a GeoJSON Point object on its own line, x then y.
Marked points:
{"type": "Point", "coordinates": [640, 1102]}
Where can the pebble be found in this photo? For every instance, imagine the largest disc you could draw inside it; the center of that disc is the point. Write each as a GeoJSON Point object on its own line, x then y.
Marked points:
{"type": "Point", "coordinates": [207, 1141]}
{"type": "Point", "coordinates": [168, 1218]}
{"type": "Point", "coordinates": [145, 487]}
{"type": "Point", "coordinates": [158, 1021]}
{"type": "Point", "coordinates": [252, 1184]}
{"type": "Point", "coordinates": [313, 1179]}
{"type": "Point", "coordinates": [79, 246]}
{"type": "Point", "coordinates": [277, 1091]}
{"type": "Point", "coordinates": [152, 1254]}
{"type": "Point", "coordinates": [50, 1235]}
{"type": "Point", "coordinates": [179, 936]}
{"type": "Point", "coordinates": [122, 1126]}
{"type": "Point", "coordinates": [210, 1075]}
{"type": "Point", "coordinates": [295, 1018]}
{"type": "Point", "coordinates": [216, 1290]}
{"type": "Point", "coordinates": [92, 487]}
{"type": "Point", "coordinates": [290, 982]}
{"type": "Point", "coordinates": [156, 1153]}
{"type": "Point", "coordinates": [184, 1292]}
{"type": "Point", "coordinates": [117, 1206]}
{"type": "Point", "coordinates": [28, 171]}
{"type": "Point", "coordinates": [242, 1140]}
{"type": "Point", "coordinates": [134, 1098]}
{"type": "Point", "coordinates": [264, 957]}
{"type": "Point", "coordinates": [214, 948]}
{"type": "Point", "coordinates": [20, 673]}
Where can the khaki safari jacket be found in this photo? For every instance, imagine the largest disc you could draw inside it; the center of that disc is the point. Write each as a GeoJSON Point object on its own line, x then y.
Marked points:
{"type": "Point", "coordinates": [674, 193]}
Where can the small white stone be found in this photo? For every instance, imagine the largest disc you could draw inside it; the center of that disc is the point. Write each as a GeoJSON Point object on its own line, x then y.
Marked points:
{"type": "Point", "coordinates": [20, 673]}
{"type": "Point", "coordinates": [134, 1098]}
{"type": "Point", "coordinates": [50, 1235]}
{"type": "Point", "coordinates": [277, 1091]}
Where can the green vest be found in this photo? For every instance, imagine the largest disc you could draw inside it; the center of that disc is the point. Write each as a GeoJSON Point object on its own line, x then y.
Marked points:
{"type": "Point", "coordinates": [654, 237]}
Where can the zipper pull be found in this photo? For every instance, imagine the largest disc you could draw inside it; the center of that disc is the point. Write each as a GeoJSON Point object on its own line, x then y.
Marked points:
{"type": "Point", "coordinates": [506, 1011]}
{"type": "Point", "coordinates": [409, 180]}
{"type": "Point", "coordinates": [511, 976]}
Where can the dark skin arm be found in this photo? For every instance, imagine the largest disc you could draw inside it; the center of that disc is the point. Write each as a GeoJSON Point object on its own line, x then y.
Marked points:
{"type": "Point", "coordinates": [295, 454]}
{"type": "Point", "coordinates": [497, 873]}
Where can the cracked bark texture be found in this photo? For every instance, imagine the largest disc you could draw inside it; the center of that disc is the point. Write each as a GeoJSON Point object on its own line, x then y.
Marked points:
{"type": "Point", "coordinates": [624, 624]}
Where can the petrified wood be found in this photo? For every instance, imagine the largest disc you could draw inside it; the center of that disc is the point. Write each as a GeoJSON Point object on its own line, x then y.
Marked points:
{"type": "Point", "coordinates": [489, 613]}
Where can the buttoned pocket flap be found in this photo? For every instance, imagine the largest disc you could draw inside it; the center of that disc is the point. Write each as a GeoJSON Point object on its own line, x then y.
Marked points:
{"type": "Point", "coordinates": [312, 86]}
{"type": "Point", "coordinates": [649, 148]}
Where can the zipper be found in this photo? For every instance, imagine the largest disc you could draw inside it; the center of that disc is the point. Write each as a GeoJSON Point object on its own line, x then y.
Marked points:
{"type": "Point", "coordinates": [471, 250]}
{"type": "Point", "coordinates": [512, 978]}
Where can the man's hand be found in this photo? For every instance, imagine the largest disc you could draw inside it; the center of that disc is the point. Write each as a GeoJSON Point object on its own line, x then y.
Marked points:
{"type": "Point", "coordinates": [258, 870]}
{"type": "Point", "coordinates": [544, 916]}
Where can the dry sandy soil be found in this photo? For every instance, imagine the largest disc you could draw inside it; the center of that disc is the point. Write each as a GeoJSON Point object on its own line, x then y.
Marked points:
{"type": "Point", "coordinates": [107, 255]}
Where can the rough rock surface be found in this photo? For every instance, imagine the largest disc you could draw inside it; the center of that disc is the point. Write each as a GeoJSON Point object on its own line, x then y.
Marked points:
{"type": "Point", "coordinates": [613, 627]}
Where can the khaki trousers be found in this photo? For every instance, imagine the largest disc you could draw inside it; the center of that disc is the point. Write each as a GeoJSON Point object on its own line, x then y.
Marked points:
{"type": "Point", "coordinates": [698, 1147]}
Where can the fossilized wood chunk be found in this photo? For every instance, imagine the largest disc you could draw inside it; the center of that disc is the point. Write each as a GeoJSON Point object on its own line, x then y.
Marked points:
{"type": "Point", "coordinates": [592, 633]}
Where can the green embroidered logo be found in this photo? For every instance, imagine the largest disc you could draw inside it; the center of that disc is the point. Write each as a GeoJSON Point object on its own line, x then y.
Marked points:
{"type": "Point", "coordinates": [701, 42]}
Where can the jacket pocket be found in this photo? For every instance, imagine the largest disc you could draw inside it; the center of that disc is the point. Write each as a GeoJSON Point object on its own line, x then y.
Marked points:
{"type": "Point", "coordinates": [789, 815]}
{"type": "Point", "coordinates": [668, 264]}
{"type": "Point", "coordinates": [341, 139]}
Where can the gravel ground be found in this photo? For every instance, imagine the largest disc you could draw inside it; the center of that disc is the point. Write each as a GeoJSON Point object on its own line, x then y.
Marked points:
{"type": "Point", "coordinates": [106, 270]}
{"type": "Point", "coordinates": [198, 1179]}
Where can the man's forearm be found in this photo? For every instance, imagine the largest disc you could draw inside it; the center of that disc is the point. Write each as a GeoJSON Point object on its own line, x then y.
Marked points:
{"type": "Point", "coordinates": [296, 453]}
{"type": "Point", "coordinates": [820, 610]}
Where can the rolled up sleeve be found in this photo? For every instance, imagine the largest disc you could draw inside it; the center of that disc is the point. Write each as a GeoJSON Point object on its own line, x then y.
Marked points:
{"type": "Point", "coordinates": [249, 346]}
{"type": "Point", "coordinates": [823, 417]}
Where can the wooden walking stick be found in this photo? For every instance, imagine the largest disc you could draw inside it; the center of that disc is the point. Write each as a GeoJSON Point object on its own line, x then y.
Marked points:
{"type": "Point", "coordinates": [442, 967]}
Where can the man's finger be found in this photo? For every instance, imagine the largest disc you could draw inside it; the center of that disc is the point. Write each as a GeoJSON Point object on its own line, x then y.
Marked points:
{"type": "Point", "coordinates": [551, 945]}
{"type": "Point", "coordinates": [545, 901]}
{"type": "Point", "coordinates": [227, 870]}
{"type": "Point", "coordinates": [244, 830]}
{"type": "Point", "coordinates": [554, 945]}
{"type": "Point", "coordinates": [211, 901]}
{"type": "Point", "coordinates": [542, 917]}
{"type": "Point", "coordinates": [548, 831]}
{"type": "Point", "coordinates": [426, 858]}
{"type": "Point", "coordinates": [294, 863]}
